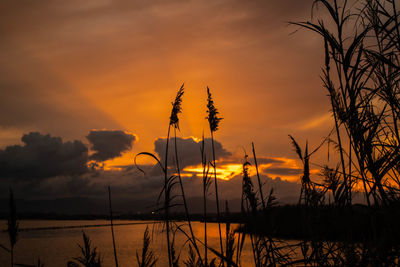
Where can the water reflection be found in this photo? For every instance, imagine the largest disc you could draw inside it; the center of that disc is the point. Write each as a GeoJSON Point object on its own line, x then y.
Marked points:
{"type": "Point", "coordinates": [56, 247]}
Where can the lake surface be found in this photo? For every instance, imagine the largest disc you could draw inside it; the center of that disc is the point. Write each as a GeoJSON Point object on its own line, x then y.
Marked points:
{"type": "Point", "coordinates": [56, 247]}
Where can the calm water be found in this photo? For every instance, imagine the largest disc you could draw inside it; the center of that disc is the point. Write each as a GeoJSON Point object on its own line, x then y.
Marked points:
{"type": "Point", "coordinates": [56, 247]}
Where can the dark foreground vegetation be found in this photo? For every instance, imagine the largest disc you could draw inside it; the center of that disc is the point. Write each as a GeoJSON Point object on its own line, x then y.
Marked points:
{"type": "Point", "coordinates": [347, 224]}
{"type": "Point", "coordinates": [361, 41]}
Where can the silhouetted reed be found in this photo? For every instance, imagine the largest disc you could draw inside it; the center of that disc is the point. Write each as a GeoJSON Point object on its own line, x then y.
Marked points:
{"type": "Point", "coordinates": [89, 256]}
{"type": "Point", "coordinates": [213, 121]}
{"type": "Point", "coordinates": [260, 190]}
{"type": "Point", "coordinates": [309, 194]}
{"type": "Point", "coordinates": [12, 226]}
{"type": "Point", "coordinates": [206, 184]}
{"type": "Point", "coordinates": [169, 181]}
{"type": "Point", "coordinates": [112, 226]}
{"type": "Point", "coordinates": [193, 260]}
{"type": "Point", "coordinates": [229, 240]}
{"type": "Point", "coordinates": [174, 121]}
{"type": "Point", "coordinates": [266, 250]}
{"type": "Point", "coordinates": [361, 74]}
{"type": "Point", "coordinates": [147, 258]}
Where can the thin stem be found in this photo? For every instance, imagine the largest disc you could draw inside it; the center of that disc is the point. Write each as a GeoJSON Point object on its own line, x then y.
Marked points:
{"type": "Point", "coordinates": [258, 176]}
{"type": "Point", "coordinates": [166, 198]}
{"type": "Point", "coordinates": [349, 194]}
{"type": "Point", "coordinates": [184, 199]}
{"type": "Point", "coordinates": [112, 226]}
{"type": "Point", "coordinates": [205, 209]}
{"type": "Point", "coordinates": [332, 98]}
{"type": "Point", "coordinates": [216, 197]}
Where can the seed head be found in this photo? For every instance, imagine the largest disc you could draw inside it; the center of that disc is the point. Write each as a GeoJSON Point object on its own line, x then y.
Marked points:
{"type": "Point", "coordinates": [212, 111]}
{"type": "Point", "coordinates": [176, 108]}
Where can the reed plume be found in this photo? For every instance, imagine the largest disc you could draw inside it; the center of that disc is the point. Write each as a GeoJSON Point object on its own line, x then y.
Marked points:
{"type": "Point", "coordinates": [192, 260]}
{"type": "Point", "coordinates": [212, 111]}
{"type": "Point", "coordinates": [176, 108]}
{"type": "Point", "coordinates": [214, 121]}
{"type": "Point", "coordinates": [168, 180]}
{"type": "Point", "coordinates": [89, 256]}
{"type": "Point", "coordinates": [148, 259]}
{"type": "Point", "coordinates": [174, 121]}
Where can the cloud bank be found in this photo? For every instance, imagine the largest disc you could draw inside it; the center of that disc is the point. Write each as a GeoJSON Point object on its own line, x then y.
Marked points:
{"type": "Point", "coordinates": [43, 156]}
{"type": "Point", "coordinates": [189, 150]}
{"type": "Point", "coordinates": [109, 144]}
{"type": "Point", "coordinates": [47, 171]}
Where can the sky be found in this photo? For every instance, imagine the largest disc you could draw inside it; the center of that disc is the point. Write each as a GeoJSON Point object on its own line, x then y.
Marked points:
{"type": "Point", "coordinates": [91, 84]}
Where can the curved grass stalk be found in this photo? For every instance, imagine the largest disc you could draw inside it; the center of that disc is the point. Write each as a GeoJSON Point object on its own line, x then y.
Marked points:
{"type": "Point", "coordinates": [193, 239]}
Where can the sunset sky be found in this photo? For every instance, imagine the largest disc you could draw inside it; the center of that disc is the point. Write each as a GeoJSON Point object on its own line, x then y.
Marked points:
{"type": "Point", "coordinates": [68, 68]}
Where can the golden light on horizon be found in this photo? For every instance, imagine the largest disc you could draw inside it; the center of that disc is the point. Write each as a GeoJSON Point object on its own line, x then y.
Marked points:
{"type": "Point", "coordinates": [224, 172]}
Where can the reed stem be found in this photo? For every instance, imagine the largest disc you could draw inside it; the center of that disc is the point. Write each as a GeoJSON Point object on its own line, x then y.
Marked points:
{"type": "Point", "coordinates": [112, 226]}
{"type": "Point", "coordinates": [217, 198]}
{"type": "Point", "coordinates": [166, 199]}
{"type": "Point", "coordinates": [258, 176]}
{"type": "Point", "coordinates": [193, 241]}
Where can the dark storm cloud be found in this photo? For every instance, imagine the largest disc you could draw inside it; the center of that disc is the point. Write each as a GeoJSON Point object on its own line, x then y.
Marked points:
{"type": "Point", "coordinates": [189, 152]}
{"type": "Point", "coordinates": [43, 156]}
{"type": "Point", "coordinates": [109, 144]}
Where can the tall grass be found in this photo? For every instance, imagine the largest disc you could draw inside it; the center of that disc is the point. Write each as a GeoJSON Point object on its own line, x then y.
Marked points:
{"type": "Point", "coordinates": [206, 182]}
{"type": "Point", "coordinates": [112, 226]}
{"type": "Point", "coordinates": [229, 240]}
{"type": "Point", "coordinates": [89, 256]}
{"type": "Point", "coordinates": [315, 247]}
{"type": "Point", "coordinates": [214, 120]}
{"type": "Point", "coordinates": [361, 74]}
{"type": "Point", "coordinates": [12, 226]}
{"type": "Point", "coordinates": [266, 250]}
{"type": "Point", "coordinates": [260, 190]}
{"type": "Point", "coordinates": [309, 194]}
{"type": "Point", "coordinates": [169, 181]}
{"type": "Point", "coordinates": [174, 121]}
{"type": "Point", "coordinates": [147, 258]}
